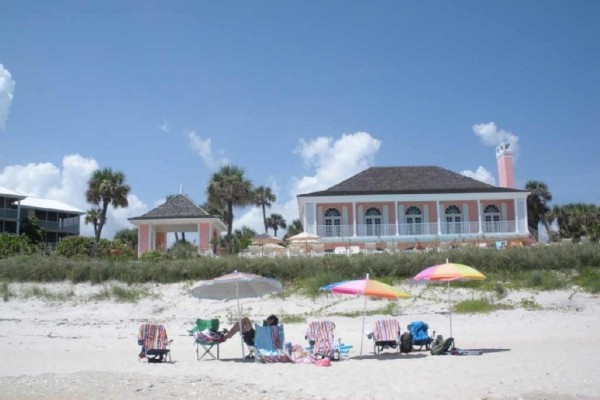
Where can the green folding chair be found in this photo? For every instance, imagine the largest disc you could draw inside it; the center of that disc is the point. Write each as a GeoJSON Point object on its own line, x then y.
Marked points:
{"type": "Point", "coordinates": [206, 337]}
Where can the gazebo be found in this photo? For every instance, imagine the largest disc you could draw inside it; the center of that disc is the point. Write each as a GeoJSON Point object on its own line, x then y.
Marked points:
{"type": "Point", "coordinates": [179, 214]}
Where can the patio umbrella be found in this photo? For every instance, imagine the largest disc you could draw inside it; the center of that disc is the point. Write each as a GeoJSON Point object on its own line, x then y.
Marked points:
{"type": "Point", "coordinates": [265, 238]}
{"type": "Point", "coordinates": [448, 272]}
{"type": "Point", "coordinates": [304, 238]}
{"type": "Point", "coordinates": [368, 288]}
{"type": "Point", "coordinates": [237, 286]}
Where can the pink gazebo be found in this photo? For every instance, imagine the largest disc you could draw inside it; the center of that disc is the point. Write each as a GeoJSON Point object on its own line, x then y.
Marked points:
{"type": "Point", "coordinates": [179, 214]}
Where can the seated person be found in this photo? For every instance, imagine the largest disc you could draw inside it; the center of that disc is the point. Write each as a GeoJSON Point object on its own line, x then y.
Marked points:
{"type": "Point", "coordinates": [247, 329]}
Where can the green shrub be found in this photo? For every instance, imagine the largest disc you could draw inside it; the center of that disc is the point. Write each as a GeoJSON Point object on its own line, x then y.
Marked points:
{"type": "Point", "coordinates": [589, 280]}
{"type": "Point", "coordinates": [478, 306]}
{"type": "Point", "coordinates": [12, 245]}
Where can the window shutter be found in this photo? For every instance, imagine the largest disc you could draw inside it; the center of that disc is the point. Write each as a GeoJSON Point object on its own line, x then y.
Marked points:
{"type": "Point", "coordinates": [401, 218]}
{"type": "Point", "coordinates": [503, 212]}
{"type": "Point", "coordinates": [320, 215]}
{"type": "Point", "coordinates": [386, 219]}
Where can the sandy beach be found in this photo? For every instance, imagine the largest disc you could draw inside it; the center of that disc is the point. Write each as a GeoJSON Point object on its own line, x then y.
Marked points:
{"type": "Point", "coordinates": [81, 348]}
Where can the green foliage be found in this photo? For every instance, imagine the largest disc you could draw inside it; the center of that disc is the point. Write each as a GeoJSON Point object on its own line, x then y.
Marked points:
{"type": "Point", "coordinates": [45, 294]}
{"type": "Point", "coordinates": [128, 237]}
{"type": "Point", "coordinates": [12, 245]}
{"type": "Point", "coordinates": [478, 306]}
{"type": "Point", "coordinates": [32, 230]}
{"type": "Point", "coordinates": [81, 246]}
{"type": "Point", "coordinates": [513, 268]}
{"type": "Point", "coordinates": [589, 280]}
{"type": "Point", "coordinates": [529, 304]}
{"type": "Point", "coordinates": [182, 250]}
{"type": "Point", "coordinates": [5, 291]}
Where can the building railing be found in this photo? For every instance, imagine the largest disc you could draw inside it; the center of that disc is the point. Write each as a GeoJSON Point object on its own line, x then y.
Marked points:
{"type": "Point", "coordinates": [416, 230]}
{"type": "Point", "coordinates": [8, 213]}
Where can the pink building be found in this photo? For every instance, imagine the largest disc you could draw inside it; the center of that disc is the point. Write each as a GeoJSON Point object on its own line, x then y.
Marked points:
{"type": "Point", "coordinates": [417, 206]}
{"type": "Point", "coordinates": [178, 214]}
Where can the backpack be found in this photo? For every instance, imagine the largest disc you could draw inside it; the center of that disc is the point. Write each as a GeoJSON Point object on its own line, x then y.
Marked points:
{"type": "Point", "coordinates": [406, 342]}
{"type": "Point", "coordinates": [440, 346]}
{"type": "Point", "coordinates": [437, 346]}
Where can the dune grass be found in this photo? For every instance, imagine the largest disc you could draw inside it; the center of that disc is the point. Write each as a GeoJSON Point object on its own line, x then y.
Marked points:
{"type": "Point", "coordinates": [479, 306]}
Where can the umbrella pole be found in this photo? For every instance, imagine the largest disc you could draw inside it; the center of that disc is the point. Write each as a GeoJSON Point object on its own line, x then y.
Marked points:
{"type": "Point", "coordinates": [362, 336]}
{"type": "Point", "coordinates": [450, 309]}
{"type": "Point", "coordinates": [237, 294]}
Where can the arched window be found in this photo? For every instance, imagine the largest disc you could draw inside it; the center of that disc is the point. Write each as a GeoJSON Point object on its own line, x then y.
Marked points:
{"type": "Point", "coordinates": [373, 221]}
{"type": "Point", "coordinates": [333, 222]}
{"type": "Point", "coordinates": [414, 221]}
{"type": "Point", "coordinates": [453, 220]}
{"type": "Point", "coordinates": [491, 219]}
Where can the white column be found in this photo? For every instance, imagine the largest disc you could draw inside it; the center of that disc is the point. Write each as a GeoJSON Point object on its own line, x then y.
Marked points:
{"type": "Point", "coordinates": [479, 212]}
{"type": "Point", "coordinates": [439, 216]}
{"type": "Point", "coordinates": [354, 213]}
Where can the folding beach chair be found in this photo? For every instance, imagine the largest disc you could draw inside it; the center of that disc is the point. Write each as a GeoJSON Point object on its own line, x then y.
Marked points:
{"type": "Point", "coordinates": [323, 342]}
{"type": "Point", "coordinates": [268, 344]}
{"type": "Point", "coordinates": [386, 335]}
{"type": "Point", "coordinates": [206, 336]}
{"type": "Point", "coordinates": [420, 334]}
{"type": "Point", "coordinates": [154, 341]}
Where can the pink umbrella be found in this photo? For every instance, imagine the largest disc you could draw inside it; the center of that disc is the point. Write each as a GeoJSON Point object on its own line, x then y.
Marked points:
{"type": "Point", "coordinates": [449, 272]}
{"type": "Point", "coordinates": [368, 288]}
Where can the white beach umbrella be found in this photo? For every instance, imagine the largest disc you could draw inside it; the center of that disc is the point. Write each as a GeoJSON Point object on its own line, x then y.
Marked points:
{"type": "Point", "coordinates": [237, 286]}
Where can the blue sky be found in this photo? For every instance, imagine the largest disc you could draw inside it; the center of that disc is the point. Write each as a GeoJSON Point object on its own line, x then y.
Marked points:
{"type": "Point", "coordinates": [301, 94]}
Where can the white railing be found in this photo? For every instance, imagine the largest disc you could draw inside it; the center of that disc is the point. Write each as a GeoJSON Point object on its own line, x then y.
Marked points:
{"type": "Point", "coordinates": [416, 230]}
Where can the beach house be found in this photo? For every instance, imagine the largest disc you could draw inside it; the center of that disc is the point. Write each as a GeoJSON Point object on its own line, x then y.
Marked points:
{"type": "Point", "coordinates": [57, 219]}
{"type": "Point", "coordinates": [417, 207]}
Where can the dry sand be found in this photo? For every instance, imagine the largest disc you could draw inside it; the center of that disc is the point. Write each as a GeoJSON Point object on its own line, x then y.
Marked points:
{"type": "Point", "coordinates": [80, 348]}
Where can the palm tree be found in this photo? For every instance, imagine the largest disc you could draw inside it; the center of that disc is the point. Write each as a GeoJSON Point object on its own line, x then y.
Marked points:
{"type": "Point", "coordinates": [576, 220]}
{"type": "Point", "coordinates": [276, 221]}
{"type": "Point", "coordinates": [106, 187]}
{"type": "Point", "coordinates": [92, 217]}
{"type": "Point", "coordinates": [294, 229]}
{"type": "Point", "coordinates": [228, 188]}
{"type": "Point", "coordinates": [263, 197]}
{"type": "Point", "coordinates": [537, 205]}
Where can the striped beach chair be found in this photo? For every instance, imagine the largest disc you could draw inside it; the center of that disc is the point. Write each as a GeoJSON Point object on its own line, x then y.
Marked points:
{"type": "Point", "coordinates": [323, 341]}
{"type": "Point", "coordinates": [386, 335]}
{"type": "Point", "coordinates": [155, 343]}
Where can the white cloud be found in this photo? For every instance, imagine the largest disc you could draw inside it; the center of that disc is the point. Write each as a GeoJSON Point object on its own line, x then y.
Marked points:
{"type": "Point", "coordinates": [68, 184]}
{"type": "Point", "coordinates": [330, 161]}
{"type": "Point", "coordinates": [204, 149]}
{"type": "Point", "coordinates": [7, 88]}
{"type": "Point", "coordinates": [334, 160]}
{"type": "Point", "coordinates": [490, 135]}
{"type": "Point", "coordinates": [164, 126]}
{"type": "Point", "coordinates": [481, 174]}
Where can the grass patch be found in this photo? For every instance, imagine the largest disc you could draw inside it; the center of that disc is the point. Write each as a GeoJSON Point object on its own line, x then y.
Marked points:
{"type": "Point", "coordinates": [121, 294]}
{"type": "Point", "coordinates": [529, 304]}
{"type": "Point", "coordinates": [589, 280]}
{"type": "Point", "coordinates": [5, 291]}
{"type": "Point", "coordinates": [43, 293]}
{"type": "Point", "coordinates": [292, 318]}
{"type": "Point", "coordinates": [478, 306]}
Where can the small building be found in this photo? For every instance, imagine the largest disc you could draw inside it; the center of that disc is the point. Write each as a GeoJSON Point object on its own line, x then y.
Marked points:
{"type": "Point", "coordinates": [57, 219]}
{"type": "Point", "coordinates": [178, 214]}
{"type": "Point", "coordinates": [416, 207]}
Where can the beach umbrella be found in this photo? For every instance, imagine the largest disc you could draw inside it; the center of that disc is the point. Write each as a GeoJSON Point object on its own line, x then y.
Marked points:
{"type": "Point", "coordinates": [448, 272]}
{"type": "Point", "coordinates": [265, 238]}
{"type": "Point", "coordinates": [304, 238]}
{"type": "Point", "coordinates": [237, 285]}
{"type": "Point", "coordinates": [367, 288]}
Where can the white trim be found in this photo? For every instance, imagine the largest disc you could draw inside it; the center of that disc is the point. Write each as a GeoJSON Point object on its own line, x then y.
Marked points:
{"type": "Point", "coordinates": [377, 198]}
{"type": "Point", "coordinates": [183, 221]}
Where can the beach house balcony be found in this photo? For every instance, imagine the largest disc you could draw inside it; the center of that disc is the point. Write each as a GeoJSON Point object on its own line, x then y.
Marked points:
{"type": "Point", "coordinates": [420, 231]}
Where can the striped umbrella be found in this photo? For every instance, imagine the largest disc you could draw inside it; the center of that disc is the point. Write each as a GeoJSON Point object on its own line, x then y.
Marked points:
{"type": "Point", "coordinates": [448, 272]}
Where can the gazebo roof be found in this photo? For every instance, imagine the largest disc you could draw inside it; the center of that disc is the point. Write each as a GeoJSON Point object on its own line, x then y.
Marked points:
{"type": "Point", "coordinates": [178, 207]}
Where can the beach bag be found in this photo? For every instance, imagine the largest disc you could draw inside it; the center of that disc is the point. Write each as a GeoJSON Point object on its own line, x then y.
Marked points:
{"type": "Point", "coordinates": [437, 346]}
{"type": "Point", "coordinates": [406, 342]}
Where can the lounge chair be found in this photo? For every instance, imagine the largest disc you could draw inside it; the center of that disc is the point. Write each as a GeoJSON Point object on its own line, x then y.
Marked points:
{"type": "Point", "coordinates": [323, 341]}
{"type": "Point", "coordinates": [318, 250]}
{"type": "Point", "coordinates": [155, 343]}
{"type": "Point", "coordinates": [386, 335]}
{"type": "Point", "coordinates": [206, 336]}
{"type": "Point", "coordinates": [268, 344]}
{"type": "Point", "coordinates": [370, 248]}
{"type": "Point", "coordinates": [420, 334]}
